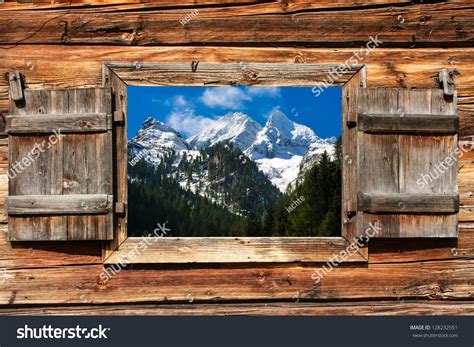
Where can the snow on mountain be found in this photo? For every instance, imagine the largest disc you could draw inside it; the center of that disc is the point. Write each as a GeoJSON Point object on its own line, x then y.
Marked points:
{"type": "Point", "coordinates": [283, 150]}
{"type": "Point", "coordinates": [235, 127]}
{"type": "Point", "coordinates": [311, 156]}
{"type": "Point", "coordinates": [155, 138]}
{"type": "Point", "coordinates": [280, 147]}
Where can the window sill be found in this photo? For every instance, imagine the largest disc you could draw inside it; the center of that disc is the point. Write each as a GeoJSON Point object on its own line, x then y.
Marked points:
{"type": "Point", "coordinates": [188, 250]}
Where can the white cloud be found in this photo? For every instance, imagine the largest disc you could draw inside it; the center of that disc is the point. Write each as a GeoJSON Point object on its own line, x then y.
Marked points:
{"type": "Point", "coordinates": [272, 92]}
{"type": "Point", "coordinates": [183, 118]}
{"type": "Point", "coordinates": [225, 97]}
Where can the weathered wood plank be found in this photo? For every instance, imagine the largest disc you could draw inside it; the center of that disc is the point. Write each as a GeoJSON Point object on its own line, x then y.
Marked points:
{"type": "Point", "coordinates": [406, 123]}
{"type": "Point", "coordinates": [59, 204]}
{"type": "Point", "coordinates": [60, 123]}
{"type": "Point", "coordinates": [377, 170]}
{"type": "Point", "coordinates": [424, 25]}
{"type": "Point", "coordinates": [84, 283]}
{"type": "Point", "coordinates": [295, 308]}
{"type": "Point", "coordinates": [403, 68]}
{"type": "Point", "coordinates": [421, 156]}
{"type": "Point", "coordinates": [350, 95]}
{"type": "Point", "coordinates": [167, 250]}
{"type": "Point", "coordinates": [400, 251]}
{"type": "Point", "coordinates": [89, 167]}
{"type": "Point", "coordinates": [259, 5]}
{"type": "Point", "coordinates": [47, 177]}
{"type": "Point", "coordinates": [120, 186]}
{"type": "Point", "coordinates": [408, 203]}
{"type": "Point", "coordinates": [231, 74]}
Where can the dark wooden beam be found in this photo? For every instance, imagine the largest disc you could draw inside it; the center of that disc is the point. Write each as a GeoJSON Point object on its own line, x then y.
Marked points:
{"type": "Point", "coordinates": [408, 203]}
{"type": "Point", "coordinates": [408, 123]}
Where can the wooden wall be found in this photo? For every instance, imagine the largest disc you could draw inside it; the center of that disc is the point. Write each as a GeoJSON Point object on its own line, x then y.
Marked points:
{"type": "Point", "coordinates": [64, 45]}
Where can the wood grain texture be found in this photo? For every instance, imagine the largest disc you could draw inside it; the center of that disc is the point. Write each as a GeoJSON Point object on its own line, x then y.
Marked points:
{"type": "Point", "coordinates": [426, 268]}
{"type": "Point", "coordinates": [207, 74]}
{"type": "Point", "coordinates": [62, 123]}
{"type": "Point", "coordinates": [295, 308]}
{"type": "Point", "coordinates": [429, 280]}
{"type": "Point", "coordinates": [392, 164]}
{"type": "Point", "coordinates": [423, 26]}
{"type": "Point", "coordinates": [61, 165]}
{"type": "Point", "coordinates": [350, 95]}
{"type": "Point", "coordinates": [120, 157]}
{"type": "Point", "coordinates": [408, 203]}
{"type": "Point", "coordinates": [406, 123]}
{"type": "Point", "coordinates": [169, 250]}
{"type": "Point", "coordinates": [130, 5]}
{"type": "Point", "coordinates": [59, 204]}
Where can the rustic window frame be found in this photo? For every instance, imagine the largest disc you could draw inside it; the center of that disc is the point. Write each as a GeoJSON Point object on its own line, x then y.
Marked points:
{"type": "Point", "coordinates": [133, 250]}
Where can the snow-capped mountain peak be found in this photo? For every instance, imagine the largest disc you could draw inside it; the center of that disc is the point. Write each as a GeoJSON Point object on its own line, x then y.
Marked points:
{"type": "Point", "coordinates": [154, 139]}
{"type": "Point", "coordinates": [234, 127]}
{"type": "Point", "coordinates": [282, 149]}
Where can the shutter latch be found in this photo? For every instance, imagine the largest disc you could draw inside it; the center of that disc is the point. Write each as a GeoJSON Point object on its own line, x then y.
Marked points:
{"type": "Point", "coordinates": [446, 79]}
{"type": "Point", "coordinates": [16, 86]}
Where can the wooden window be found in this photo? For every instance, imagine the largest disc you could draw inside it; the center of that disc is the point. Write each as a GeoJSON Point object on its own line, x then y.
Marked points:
{"type": "Point", "coordinates": [60, 166]}
{"type": "Point", "coordinates": [390, 139]}
{"type": "Point", "coordinates": [224, 249]}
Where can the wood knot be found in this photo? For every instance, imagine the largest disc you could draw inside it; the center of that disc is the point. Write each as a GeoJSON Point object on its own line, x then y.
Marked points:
{"type": "Point", "coordinates": [284, 5]}
{"type": "Point", "coordinates": [130, 37]}
{"type": "Point", "coordinates": [251, 75]}
{"type": "Point", "coordinates": [261, 279]}
{"type": "Point", "coordinates": [300, 59]}
{"type": "Point", "coordinates": [84, 124]}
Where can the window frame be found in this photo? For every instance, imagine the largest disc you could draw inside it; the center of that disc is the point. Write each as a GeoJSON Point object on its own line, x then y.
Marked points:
{"type": "Point", "coordinates": [173, 250]}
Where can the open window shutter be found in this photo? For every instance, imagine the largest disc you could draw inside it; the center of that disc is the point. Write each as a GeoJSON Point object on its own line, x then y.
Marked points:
{"type": "Point", "coordinates": [60, 166]}
{"type": "Point", "coordinates": [407, 167]}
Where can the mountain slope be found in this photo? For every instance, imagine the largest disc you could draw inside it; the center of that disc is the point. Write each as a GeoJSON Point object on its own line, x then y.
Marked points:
{"type": "Point", "coordinates": [235, 127]}
{"type": "Point", "coordinates": [282, 149]}
{"type": "Point", "coordinates": [154, 139]}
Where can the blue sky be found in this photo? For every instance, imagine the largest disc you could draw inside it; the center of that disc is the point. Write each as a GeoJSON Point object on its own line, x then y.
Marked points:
{"type": "Point", "coordinates": [190, 109]}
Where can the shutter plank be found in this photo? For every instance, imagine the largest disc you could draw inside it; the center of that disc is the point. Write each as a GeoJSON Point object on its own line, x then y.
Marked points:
{"type": "Point", "coordinates": [62, 123]}
{"type": "Point", "coordinates": [378, 159]}
{"type": "Point", "coordinates": [408, 203]}
{"type": "Point", "coordinates": [408, 123]}
{"type": "Point", "coordinates": [59, 204]}
{"type": "Point", "coordinates": [42, 176]}
{"type": "Point", "coordinates": [86, 167]}
{"type": "Point", "coordinates": [420, 156]}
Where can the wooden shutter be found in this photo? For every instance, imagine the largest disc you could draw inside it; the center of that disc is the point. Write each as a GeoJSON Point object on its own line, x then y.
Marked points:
{"type": "Point", "coordinates": [403, 136]}
{"type": "Point", "coordinates": [63, 189]}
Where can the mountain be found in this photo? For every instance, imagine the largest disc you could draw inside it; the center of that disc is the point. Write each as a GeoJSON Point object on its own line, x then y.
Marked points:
{"type": "Point", "coordinates": [281, 146]}
{"type": "Point", "coordinates": [155, 138]}
{"type": "Point", "coordinates": [310, 158]}
{"type": "Point", "coordinates": [235, 127]}
{"type": "Point", "coordinates": [282, 149]}
{"type": "Point", "coordinates": [221, 173]}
